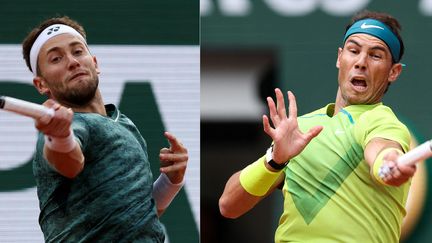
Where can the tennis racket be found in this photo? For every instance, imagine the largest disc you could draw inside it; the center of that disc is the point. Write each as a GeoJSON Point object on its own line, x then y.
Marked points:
{"type": "Point", "coordinates": [25, 108]}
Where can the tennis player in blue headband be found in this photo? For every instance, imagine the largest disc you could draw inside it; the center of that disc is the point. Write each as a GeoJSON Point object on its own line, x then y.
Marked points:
{"type": "Point", "coordinates": [327, 161]}
{"type": "Point", "coordinates": [380, 30]}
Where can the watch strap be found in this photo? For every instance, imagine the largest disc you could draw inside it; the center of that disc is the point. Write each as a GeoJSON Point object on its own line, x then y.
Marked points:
{"type": "Point", "coordinates": [271, 162]}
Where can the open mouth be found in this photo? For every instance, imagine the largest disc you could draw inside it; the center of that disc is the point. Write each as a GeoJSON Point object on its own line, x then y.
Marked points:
{"type": "Point", "coordinates": [359, 83]}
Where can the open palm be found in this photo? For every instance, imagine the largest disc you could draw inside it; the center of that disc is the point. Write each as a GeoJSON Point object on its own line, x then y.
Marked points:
{"type": "Point", "coordinates": [288, 140]}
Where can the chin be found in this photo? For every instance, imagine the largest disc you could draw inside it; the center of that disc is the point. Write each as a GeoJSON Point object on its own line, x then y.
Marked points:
{"type": "Point", "coordinates": [356, 101]}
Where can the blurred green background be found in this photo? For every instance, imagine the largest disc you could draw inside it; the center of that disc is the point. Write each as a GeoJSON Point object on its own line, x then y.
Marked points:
{"type": "Point", "coordinates": [290, 44]}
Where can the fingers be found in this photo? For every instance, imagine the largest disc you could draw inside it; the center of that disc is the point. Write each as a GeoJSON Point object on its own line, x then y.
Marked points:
{"type": "Point", "coordinates": [292, 105]}
{"type": "Point", "coordinates": [401, 169]}
{"type": "Point", "coordinates": [176, 167]}
{"type": "Point", "coordinates": [51, 104]}
{"type": "Point", "coordinates": [176, 154]}
{"type": "Point", "coordinates": [59, 124]}
{"type": "Point", "coordinates": [398, 174]}
{"type": "Point", "coordinates": [407, 170]}
{"type": "Point", "coordinates": [281, 110]}
{"type": "Point", "coordinates": [278, 116]}
{"type": "Point", "coordinates": [272, 109]}
{"type": "Point", "coordinates": [313, 132]}
{"type": "Point", "coordinates": [395, 172]}
{"type": "Point", "coordinates": [267, 128]}
{"type": "Point", "coordinates": [278, 111]}
{"type": "Point", "coordinates": [164, 151]}
{"type": "Point", "coordinates": [387, 172]}
{"type": "Point", "coordinates": [173, 160]}
{"type": "Point", "coordinates": [176, 145]}
{"type": "Point", "coordinates": [172, 157]}
{"type": "Point", "coordinates": [171, 138]}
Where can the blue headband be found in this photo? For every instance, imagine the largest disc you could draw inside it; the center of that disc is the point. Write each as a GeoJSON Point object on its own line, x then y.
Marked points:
{"type": "Point", "coordinates": [381, 31]}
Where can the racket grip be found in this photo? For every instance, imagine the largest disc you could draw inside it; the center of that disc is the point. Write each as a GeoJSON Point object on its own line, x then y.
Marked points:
{"type": "Point", "coordinates": [36, 111]}
{"type": "Point", "coordinates": [420, 152]}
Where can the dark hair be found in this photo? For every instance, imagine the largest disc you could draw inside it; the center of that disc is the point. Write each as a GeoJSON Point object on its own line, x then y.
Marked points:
{"type": "Point", "coordinates": [32, 36]}
{"type": "Point", "coordinates": [385, 18]}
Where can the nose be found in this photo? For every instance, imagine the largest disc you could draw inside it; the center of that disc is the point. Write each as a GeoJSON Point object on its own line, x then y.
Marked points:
{"type": "Point", "coordinates": [361, 61]}
{"type": "Point", "coordinates": [73, 62]}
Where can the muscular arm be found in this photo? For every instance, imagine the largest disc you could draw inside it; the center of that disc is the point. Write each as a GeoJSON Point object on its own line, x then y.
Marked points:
{"type": "Point", "coordinates": [235, 201]}
{"type": "Point", "coordinates": [67, 164]}
{"type": "Point", "coordinates": [377, 145]}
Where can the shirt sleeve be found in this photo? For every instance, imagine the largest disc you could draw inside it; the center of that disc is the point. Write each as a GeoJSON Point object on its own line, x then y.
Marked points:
{"type": "Point", "coordinates": [81, 131]}
{"type": "Point", "coordinates": [381, 122]}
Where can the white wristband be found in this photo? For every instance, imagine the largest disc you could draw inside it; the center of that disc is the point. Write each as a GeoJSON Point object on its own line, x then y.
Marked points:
{"type": "Point", "coordinates": [164, 191]}
{"type": "Point", "coordinates": [62, 145]}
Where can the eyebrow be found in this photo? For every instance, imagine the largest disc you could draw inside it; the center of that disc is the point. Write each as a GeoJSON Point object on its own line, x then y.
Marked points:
{"type": "Point", "coordinates": [373, 48]}
{"type": "Point", "coordinates": [73, 43]}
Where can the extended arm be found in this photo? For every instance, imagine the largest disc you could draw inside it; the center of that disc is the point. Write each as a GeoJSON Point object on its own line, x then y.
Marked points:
{"type": "Point", "coordinates": [236, 201]}
{"type": "Point", "coordinates": [61, 150]}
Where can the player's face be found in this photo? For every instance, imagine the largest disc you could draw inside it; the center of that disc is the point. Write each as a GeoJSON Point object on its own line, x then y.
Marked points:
{"type": "Point", "coordinates": [365, 70]}
{"type": "Point", "coordinates": [68, 72]}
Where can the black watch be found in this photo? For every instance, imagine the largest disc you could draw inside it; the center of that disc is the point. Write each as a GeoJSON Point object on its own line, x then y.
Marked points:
{"type": "Point", "coordinates": [271, 162]}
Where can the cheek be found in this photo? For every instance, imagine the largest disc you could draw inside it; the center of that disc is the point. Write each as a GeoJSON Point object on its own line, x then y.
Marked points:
{"type": "Point", "coordinates": [381, 75]}
{"type": "Point", "coordinates": [53, 71]}
{"type": "Point", "coordinates": [342, 73]}
{"type": "Point", "coordinates": [56, 80]}
{"type": "Point", "coordinates": [343, 65]}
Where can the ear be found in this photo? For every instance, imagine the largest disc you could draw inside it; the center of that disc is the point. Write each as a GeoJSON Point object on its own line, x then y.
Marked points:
{"type": "Point", "coordinates": [96, 64]}
{"type": "Point", "coordinates": [339, 54]}
{"type": "Point", "coordinates": [41, 85]}
{"type": "Point", "coordinates": [395, 71]}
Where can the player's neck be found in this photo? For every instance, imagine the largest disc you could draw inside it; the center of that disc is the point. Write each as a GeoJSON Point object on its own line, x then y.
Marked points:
{"type": "Point", "coordinates": [96, 105]}
{"type": "Point", "coordinates": [340, 102]}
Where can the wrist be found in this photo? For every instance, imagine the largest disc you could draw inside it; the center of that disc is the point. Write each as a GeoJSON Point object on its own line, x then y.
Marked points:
{"type": "Point", "coordinates": [378, 170]}
{"type": "Point", "coordinates": [164, 191]}
{"type": "Point", "coordinates": [61, 145]}
{"type": "Point", "coordinates": [256, 179]}
{"type": "Point", "coordinates": [176, 180]}
{"type": "Point", "coordinates": [272, 163]}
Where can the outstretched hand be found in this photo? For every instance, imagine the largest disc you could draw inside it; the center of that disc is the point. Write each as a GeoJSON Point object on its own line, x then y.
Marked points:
{"type": "Point", "coordinates": [173, 160]}
{"type": "Point", "coordinates": [288, 140]}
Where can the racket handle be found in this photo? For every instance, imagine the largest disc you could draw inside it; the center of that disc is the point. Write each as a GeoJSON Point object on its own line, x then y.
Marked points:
{"type": "Point", "coordinates": [25, 108]}
{"type": "Point", "coordinates": [421, 152]}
